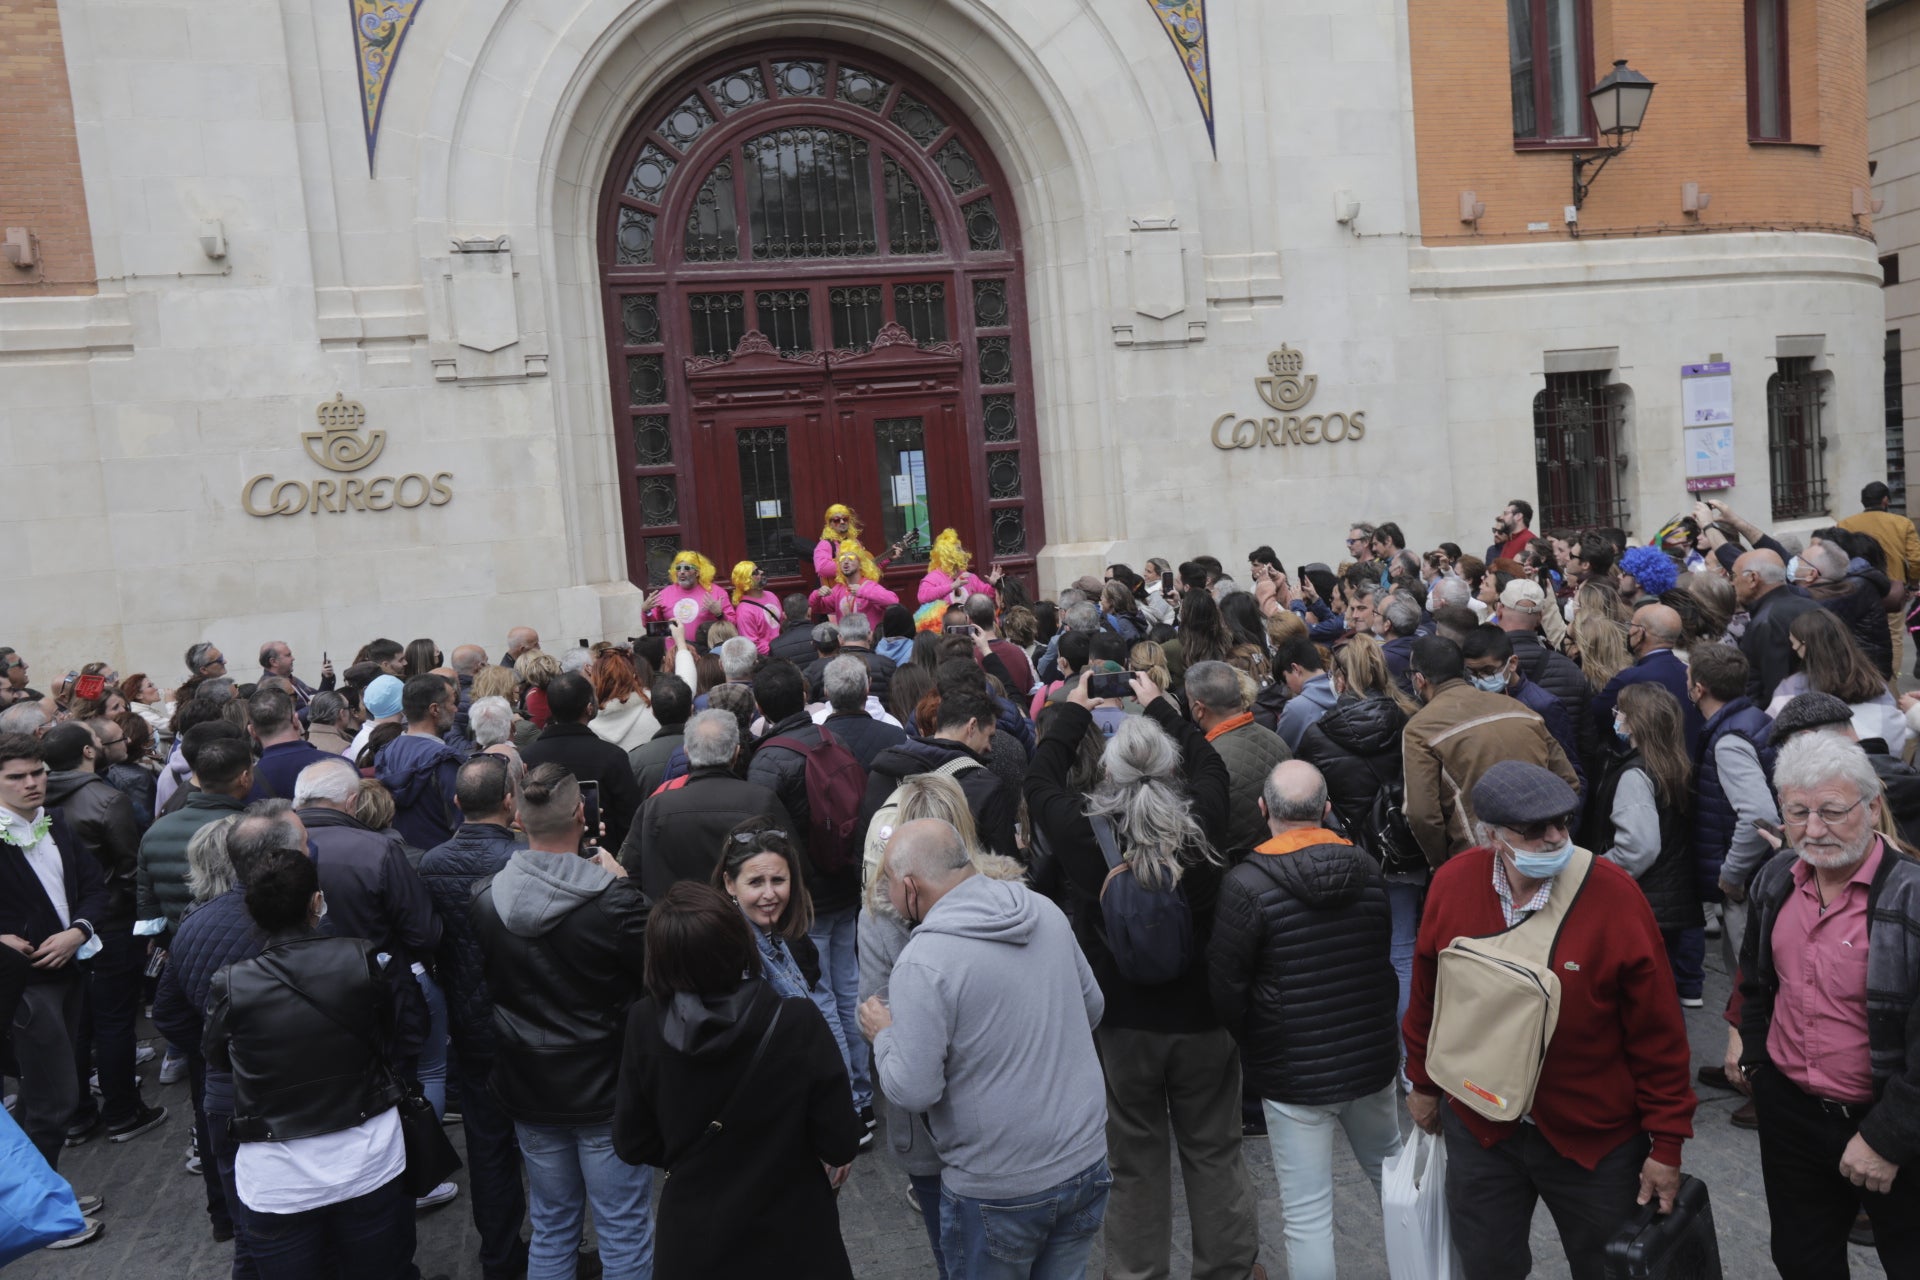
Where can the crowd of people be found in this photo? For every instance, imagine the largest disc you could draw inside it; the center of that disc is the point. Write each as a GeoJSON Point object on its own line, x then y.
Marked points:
{"type": "Point", "coordinates": [1047, 896]}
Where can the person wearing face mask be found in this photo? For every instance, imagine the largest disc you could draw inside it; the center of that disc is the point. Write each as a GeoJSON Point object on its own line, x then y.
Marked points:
{"type": "Point", "coordinates": [1613, 1105]}
{"type": "Point", "coordinates": [1494, 667]}
{"type": "Point", "coordinates": [1638, 817]}
{"type": "Point", "coordinates": [1458, 734]}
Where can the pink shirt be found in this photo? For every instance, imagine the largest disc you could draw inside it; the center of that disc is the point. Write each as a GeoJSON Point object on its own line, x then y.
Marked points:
{"type": "Point", "coordinates": [869, 598]}
{"type": "Point", "coordinates": [1819, 1033]}
{"type": "Point", "coordinates": [757, 618]}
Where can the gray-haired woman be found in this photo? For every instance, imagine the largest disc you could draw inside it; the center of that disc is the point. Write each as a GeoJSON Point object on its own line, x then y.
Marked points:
{"type": "Point", "coordinates": [1162, 799]}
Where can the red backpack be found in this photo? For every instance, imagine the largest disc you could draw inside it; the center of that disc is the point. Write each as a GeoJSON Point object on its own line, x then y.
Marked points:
{"type": "Point", "coordinates": [836, 788]}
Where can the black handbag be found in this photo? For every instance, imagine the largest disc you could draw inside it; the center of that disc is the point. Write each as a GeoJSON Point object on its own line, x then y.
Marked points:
{"type": "Point", "coordinates": [1675, 1246]}
{"type": "Point", "coordinates": [431, 1159]}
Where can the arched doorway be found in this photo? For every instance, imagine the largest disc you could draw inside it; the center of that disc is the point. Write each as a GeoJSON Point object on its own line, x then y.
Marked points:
{"type": "Point", "coordinates": [813, 291]}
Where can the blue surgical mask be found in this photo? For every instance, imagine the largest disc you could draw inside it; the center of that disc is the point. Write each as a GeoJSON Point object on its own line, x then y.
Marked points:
{"type": "Point", "coordinates": [1543, 865]}
{"type": "Point", "coordinates": [1620, 732]}
{"type": "Point", "coordinates": [1495, 683]}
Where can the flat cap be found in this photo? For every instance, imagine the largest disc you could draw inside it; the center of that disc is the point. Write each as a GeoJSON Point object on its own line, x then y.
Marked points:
{"type": "Point", "coordinates": [1514, 794]}
{"type": "Point", "coordinates": [1809, 711]}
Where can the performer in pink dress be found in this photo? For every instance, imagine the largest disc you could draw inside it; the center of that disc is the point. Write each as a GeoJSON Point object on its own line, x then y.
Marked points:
{"type": "Point", "coordinates": [854, 588]}
{"type": "Point", "coordinates": [692, 595]}
{"type": "Point", "coordinates": [947, 567]}
{"type": "Point", "coordinates": [755, 611]}
{"type": "Point", "coordinates": [843, 526]}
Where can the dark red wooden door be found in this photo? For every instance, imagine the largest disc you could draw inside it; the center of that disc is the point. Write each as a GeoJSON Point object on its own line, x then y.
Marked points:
{"type": "Point", "coordinates": [814, 295]}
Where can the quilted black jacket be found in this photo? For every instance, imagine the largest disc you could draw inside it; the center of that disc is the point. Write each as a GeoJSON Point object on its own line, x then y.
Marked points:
{"type": "Point", "coordinates": [1301, 972]}
{"type": "Point", "coordinates": [452, 872]}
{"type": "Point", "coordinates": [1562, 677]}
{"type": "Point", "coordinates": [1356, 748]}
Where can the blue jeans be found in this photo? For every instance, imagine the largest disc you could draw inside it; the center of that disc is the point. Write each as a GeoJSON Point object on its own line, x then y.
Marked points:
{"type": "Point", "coordinates": [430, 1068]}
{"type": "Point", "coordinates": [1044, 1236]}
{"type": "Point", "coordinates": [369, 1237]}
{"type": "Point", "coordinates": [833, 934]}
{"type": "Point", "coordinates": [1301, 1141]}
{"type": "Point", "coordinates": [220, 1154]}
{"type": "Point", "coordinates": [1687, 956]}
{"type": "Point", "coordinates": [926, 1189]}
{"type": "Point", "coordinates": [567, 1166]}
{"type": "Point", "coordinates": [1403, 905]}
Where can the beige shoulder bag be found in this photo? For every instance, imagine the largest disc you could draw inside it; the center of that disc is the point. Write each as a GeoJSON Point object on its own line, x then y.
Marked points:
{"type": "Point", "coordinates": [1496, 1001]}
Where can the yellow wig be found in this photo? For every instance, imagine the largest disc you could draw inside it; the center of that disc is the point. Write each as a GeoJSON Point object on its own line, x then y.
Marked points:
{"type": "Point", "coordinates": [827, 533]}
{"type": "Point", "coordinates": [948, 556]}
{"type": "Point", "coordinates": [693, 558]}
{"type": "Point", "coordinates": [742, 578]}
{"type": "Point", "coordinates": [868, 569]}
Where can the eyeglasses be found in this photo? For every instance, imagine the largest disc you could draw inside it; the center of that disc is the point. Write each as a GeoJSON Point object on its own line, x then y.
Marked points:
{"type": "Point", "coordinates": [1538, 830]}
{"type": "Point", "coordinates": [1799, 813]}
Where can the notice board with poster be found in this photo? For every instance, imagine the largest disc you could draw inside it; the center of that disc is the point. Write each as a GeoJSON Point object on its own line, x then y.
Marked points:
{"type": "Point", "coordinates": [1706, 410]}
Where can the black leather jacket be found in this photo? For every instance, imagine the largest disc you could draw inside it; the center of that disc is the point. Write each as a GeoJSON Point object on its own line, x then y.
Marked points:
{"type": "Point", "coordinates": [301, 1071]}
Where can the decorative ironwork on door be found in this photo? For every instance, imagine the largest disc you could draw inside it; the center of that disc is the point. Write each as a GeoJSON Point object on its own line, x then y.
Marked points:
{"type": "Point", "coordinates": [1579, 452]}
{"type": "Point", "coordinates": [801, 202]}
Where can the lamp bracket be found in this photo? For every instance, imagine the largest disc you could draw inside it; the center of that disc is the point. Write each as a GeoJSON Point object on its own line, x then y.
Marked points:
{"type": "Point", "coordinates": [1599, 160]}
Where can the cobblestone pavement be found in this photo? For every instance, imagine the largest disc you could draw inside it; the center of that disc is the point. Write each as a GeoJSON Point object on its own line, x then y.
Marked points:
{"type": "Point", "coordinates": [156, 1226]}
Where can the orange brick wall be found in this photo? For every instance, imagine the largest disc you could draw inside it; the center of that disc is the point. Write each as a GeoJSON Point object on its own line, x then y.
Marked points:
{"type": "Point", "coordinates": [1695, 129]}
{"type": "Point", "coordinates": [40, 186]}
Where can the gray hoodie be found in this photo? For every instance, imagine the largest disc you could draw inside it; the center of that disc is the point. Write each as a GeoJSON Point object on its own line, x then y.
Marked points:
{"type": "Point", "coordinates": [536, 891]}
{"type": "Point", "coordinates": [993, 1015]}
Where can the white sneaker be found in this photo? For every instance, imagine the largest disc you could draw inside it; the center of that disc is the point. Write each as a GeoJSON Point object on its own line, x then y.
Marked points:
{"type": "Point", "coordinates": [144, 1054]}
{"type": "Point", "coordinates": [436, 1197]}
{"type": "Point", "coordinates": [85, 1235]}
{"type": "Point", "coordinates": [172, 1070]}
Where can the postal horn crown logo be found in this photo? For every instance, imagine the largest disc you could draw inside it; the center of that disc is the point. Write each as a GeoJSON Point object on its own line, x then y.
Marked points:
{"type": "Point", "coordinates": [1287, 389]}
{"type": "Point", "coordinates": [338, 445]}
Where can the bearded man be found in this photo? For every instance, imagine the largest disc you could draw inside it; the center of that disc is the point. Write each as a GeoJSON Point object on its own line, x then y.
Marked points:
{"type": "Point", "coordinates": [1831, 1040]}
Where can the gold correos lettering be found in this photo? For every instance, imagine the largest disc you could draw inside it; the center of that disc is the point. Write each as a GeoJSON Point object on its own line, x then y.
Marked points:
{"type": "Point", "coordinates": [353, 493]}
{"type": "Point", "coordinates": [1218, 423]}
{"type": "Point", "coordinates": [1293, 430]}
{"type": "Point", "coordinates": [1250, 436]}
{"type": "Point", "coordinates": [378, 499]}
{"type": "Point", "coordinates": [1270, 432]}
{"type": "Point", "coordinates": [1310, 429]}
{"type": "Point", "coordinates": [246, 494]}
{"type": "Point", "coordinates": [286, 506]}
{"type": "Point", "coordinates": [323, 494]}
{"type": "Point", "coordinates": [1356, 426]}
{"type": "Point", "coordinates": [442, 489]}
{"type": "Point", "coordinates": [1326, 432]}
{"type": "Point", "coordinates": [400, 491]}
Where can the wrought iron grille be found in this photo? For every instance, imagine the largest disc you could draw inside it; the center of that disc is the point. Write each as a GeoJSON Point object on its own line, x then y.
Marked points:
{"type": "Point", "coordinates": [766, 500]}
{"type": "Point", "coordinates": [809, 194]}
{"type": "Point", "coordinates": [858, 313]}
{"type": "Point", "coordinates": [921, 310]}
{"type": "Point", "coordinates": [1896, 424]}
{"type": "Point", "coordinates": [786, 317]}
{"type": "Point", "coordinates": [910, 224]}
{"type": "Point", "coordinates": [717, 322]}
{"type": "Point", "coordinates": [1579, 441]}
{"type": "Point", "coordinates": [1795, 445]}
{"type": "Point", "coordinates": [713, 230]}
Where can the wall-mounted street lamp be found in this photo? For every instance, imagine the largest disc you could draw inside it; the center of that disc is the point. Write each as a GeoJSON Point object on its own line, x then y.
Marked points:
{"type": "Point", "coordinates": [1619, 105]}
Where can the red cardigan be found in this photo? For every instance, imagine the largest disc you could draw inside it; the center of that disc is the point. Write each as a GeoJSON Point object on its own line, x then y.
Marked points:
{"type": "Point", "coordinates": [1619, 1062]}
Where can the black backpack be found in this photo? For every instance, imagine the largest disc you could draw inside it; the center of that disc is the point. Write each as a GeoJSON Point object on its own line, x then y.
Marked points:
{"type": "Point", "coordinates": [1149, 927]}
{"type": "Point", "coordinates": [1384, 832]}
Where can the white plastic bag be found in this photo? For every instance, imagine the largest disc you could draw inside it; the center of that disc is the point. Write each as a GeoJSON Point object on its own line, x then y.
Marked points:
{"type": "Point", "coordinates": [1413, 1201]}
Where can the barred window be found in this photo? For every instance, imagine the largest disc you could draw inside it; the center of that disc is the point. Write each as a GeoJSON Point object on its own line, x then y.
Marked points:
{"type": "Point", "coordinates": [1795, 445]}
{"type": "Point", "coordinates": [1896, 425]}
{"type": "Point", "coordinates": [1579, 443]}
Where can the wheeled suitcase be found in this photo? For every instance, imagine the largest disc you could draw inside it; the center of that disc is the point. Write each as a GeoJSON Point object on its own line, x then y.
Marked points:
{"type": "Point", "coordinates": [1678, 1246]}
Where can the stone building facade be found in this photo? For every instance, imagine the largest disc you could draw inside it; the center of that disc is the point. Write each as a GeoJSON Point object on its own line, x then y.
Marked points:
{"type": "Point", "coordinates": [438, 316]}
